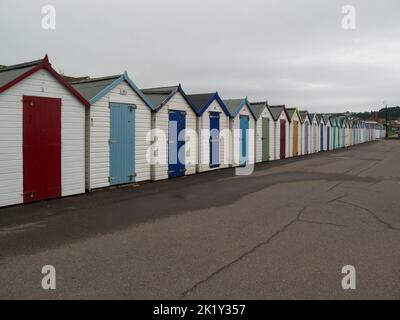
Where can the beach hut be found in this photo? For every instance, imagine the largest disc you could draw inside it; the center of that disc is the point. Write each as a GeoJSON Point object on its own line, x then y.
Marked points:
{"type": "Point", "coordinates": [281, 124]}
{"type": "Point", "coordinates": [174, 136]}
{"type": "Point", "coordinates": [314, 133]}
{"type": "Point", "coordinates": [347, 132]}
{"type": "Point", "coordinates": [265, 131]}
{"type": "Point", "coordinates": [339, 132]}
{"type": "Point", "coordinates": [117, 124]}
{"type": "Point", "coordinates": [242, 127]}
{"type": "Point", "coordinates": [357, 132]}
{"type": "Point", "coordinates": [334, 133]}
{"type": "Point", "coordinates": [295, 134]}
{"type": "Point", "coordinates": [351, 132]}
{"type": "Point", "coordinates": [306, 133]}
{"type": "Point", "coordinates": [364, 132]}
{"type": "Point", "coordinates": [360, 123]}
{"type": "Point", "coordinates": [42, 134]}
{"type": "Point", "coordinates": [213, 131]}
{"type": "Point", "coordinates": [322, 132]}
{"type": "Point", "coordinates": [328, 131]}
{"type": "Point", "coordinates": [343, 127]}
{"type": "Point", "coordinates": [374, 130]}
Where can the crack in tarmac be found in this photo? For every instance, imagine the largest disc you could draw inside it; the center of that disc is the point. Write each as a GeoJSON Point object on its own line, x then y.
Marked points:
{"type": "Point", "coordinates": [255, 248]}
{"type": "Point", "coordinates": [337, 198]}
{"type": "Point", "coordinates": [372, 213]}
{"type": "Point", "coordinates": [333, 187]}
{"type": "Point", "coordinates": [322, 223]}
{"type": "Point", "coordinates": [369, 167]}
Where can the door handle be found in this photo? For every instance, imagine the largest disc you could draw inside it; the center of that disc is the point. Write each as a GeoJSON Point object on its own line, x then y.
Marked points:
{"type": "Point", "coordinates": [30, 194]}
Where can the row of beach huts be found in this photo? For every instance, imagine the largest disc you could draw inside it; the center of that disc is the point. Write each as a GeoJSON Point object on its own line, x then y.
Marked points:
{"type": "Point", "coordinates": [61, 136]}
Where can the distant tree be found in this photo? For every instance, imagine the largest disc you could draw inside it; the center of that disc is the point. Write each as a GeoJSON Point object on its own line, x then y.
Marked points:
{"type": "Point", "coordinates": [393, 113]}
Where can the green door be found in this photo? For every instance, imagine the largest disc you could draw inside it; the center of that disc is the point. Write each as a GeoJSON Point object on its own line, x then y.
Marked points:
{"type": "Point", "coordinates": [334, 138]}
{"type": "Point", "coordinates": [265, 139]}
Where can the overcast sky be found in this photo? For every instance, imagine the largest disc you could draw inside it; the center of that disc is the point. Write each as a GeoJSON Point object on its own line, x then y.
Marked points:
{"type": "Point", "coordinates": [288, 52]}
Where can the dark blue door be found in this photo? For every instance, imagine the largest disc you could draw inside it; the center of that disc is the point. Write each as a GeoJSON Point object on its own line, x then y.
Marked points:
{"type": "Point", "coordinates": [214, 139]}
{"type": "Point", "coordinates": [122, 143]}
{"type": "Point", "coordinates": [322, 137]}
{"type": "Point", "coordinates": [176, 143]}
{"type": "Point", "coordinates": [328, 134]}
{"type": "Point", "coordinates": [244, 140]}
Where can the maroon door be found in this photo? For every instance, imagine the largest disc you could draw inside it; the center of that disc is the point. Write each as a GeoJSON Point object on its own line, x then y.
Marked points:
{"type": "Point", "coordinates": [41, 148]}
{"type": "Point", "coordinates": [283, 139]}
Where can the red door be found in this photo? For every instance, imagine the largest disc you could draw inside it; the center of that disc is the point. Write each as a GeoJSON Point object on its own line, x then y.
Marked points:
{"type": "Point", "coordinates": [283, 139]}
{"type": "Point", "coordinates": [41, 148]}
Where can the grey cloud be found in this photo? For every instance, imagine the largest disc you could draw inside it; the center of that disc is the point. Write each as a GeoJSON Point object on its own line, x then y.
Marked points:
{"type": "Point", "coordinates": [292, 52]}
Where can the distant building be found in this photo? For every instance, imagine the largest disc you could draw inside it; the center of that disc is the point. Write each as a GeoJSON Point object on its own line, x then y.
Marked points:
{"type": "Point", "coordinates": [375, 115]}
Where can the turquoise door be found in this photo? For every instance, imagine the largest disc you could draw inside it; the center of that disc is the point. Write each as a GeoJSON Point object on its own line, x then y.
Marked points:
{"type": "Point", "coordinates": [122, 143]}
{"type": "Point", "coordinates": [244, 140]}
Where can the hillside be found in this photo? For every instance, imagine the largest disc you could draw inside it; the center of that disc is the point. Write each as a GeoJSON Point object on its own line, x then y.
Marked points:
{"type": "Point", "coordinates": [393, 114]}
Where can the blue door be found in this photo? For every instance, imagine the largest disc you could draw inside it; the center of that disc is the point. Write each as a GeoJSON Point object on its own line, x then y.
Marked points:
{"type": "Point", "coordinates": [122, 143]}
{"type": "Point", "coordinates": [322, 137]}
{"type": "Point", "coordinates": [176, 143]}
{"type": "Point", "coordinates": [328, 134]}
{"type": "Point", "coordinates": [214, 139]}
{"type": "Point", "coordinates": [244, 140]}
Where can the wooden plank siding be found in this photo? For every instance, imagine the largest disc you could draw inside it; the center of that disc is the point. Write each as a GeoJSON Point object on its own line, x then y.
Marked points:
{"type": "Point", "coordinates": [40, 84]}
{"type": "Point", "coordinates": [203, 127]}
{"type": "Point", "coordinates": [159, 120]}
{"type": "Point", "coordinates": [98, 135]}
{"type": "Point", "coordinates": [235, 129]}
{"type": "Point", "coordinates": [259, 141]}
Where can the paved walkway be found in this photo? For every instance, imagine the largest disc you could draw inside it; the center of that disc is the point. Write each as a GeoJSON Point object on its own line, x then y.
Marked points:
{"type": "Point", "coordinates": [284, 232]}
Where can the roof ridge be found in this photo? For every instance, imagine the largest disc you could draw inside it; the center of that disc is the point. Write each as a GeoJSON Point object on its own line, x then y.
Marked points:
{"type": "Point", "coordinates": [258, 102]}
{"type": "Point", "coordinates": [237, 99]}
{"type": "Point", "coordinates": [21, 65]}
{"type": "Point", "coordinates": [160, 88]}
{"type": "Point", "coordinates": [201, 94]}
{"type": "Point", "coordinates": [97, 79]}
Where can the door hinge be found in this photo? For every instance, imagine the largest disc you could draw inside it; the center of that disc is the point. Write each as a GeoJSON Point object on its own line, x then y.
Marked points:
{"type": "Point", "coordinates": [132, 107]}
{"type": "Point", "coordinates": [131, 176]}
{"type": "Point", "coordinates": [110, 179]}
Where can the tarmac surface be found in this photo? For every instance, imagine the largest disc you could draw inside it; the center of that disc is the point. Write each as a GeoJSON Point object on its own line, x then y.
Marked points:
{"type": "Point", "coordinates": [284, 232]}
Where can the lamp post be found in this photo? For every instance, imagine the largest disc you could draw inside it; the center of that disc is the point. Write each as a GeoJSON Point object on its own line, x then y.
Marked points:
{"type": "Point", "coordinates": [386, 118]}
{"type": "Point", "coordinates": [386, 113]}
